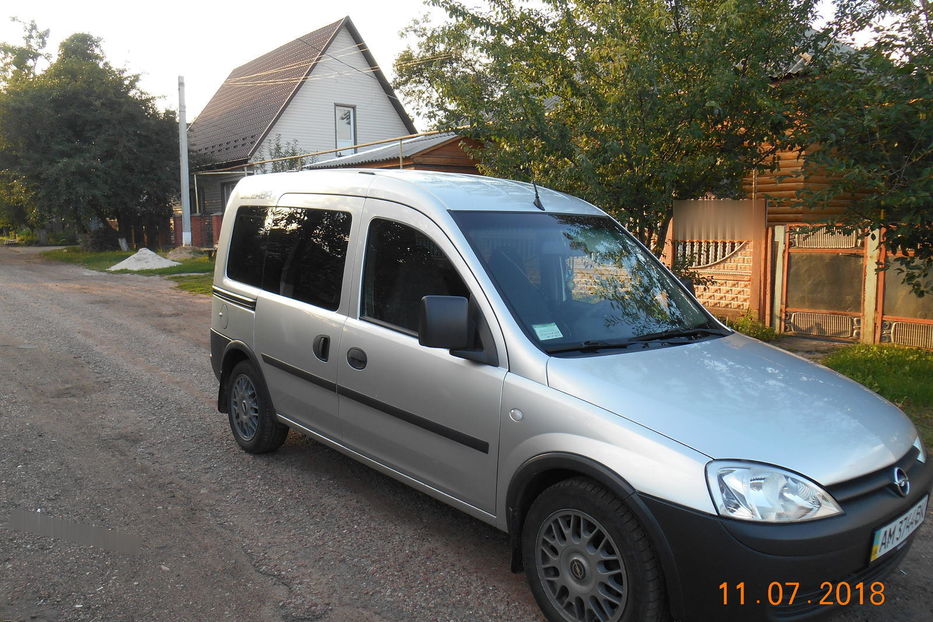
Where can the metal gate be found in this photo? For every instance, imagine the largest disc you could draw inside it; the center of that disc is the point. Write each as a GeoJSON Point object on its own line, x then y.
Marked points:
{"type": "Point", "coordinates": [819, 278]}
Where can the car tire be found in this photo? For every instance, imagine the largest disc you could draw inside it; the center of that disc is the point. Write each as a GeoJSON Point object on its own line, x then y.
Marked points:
{"type": "Point", "coordinates": [587, 557]}
{"type": "Point", "coordinates": [252, 418]}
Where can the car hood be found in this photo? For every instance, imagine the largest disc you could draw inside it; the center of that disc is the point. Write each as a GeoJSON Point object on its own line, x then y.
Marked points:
{"type": "Point", "coordinates": [737, 398]}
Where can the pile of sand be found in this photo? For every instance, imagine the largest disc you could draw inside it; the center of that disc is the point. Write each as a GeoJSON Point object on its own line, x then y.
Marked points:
{"type": "Point", "coordinates": [145, 259]}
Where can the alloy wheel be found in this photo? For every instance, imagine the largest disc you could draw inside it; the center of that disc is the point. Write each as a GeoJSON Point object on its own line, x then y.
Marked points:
{"type": "Point", "coordinates": [581, 568]}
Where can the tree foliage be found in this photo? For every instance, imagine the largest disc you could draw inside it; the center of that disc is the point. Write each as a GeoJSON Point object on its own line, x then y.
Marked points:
{"type": "Point", "coordinates": [628, 104]}
{"type": "Point", "coordinates": [21, 60]}
{"type": "Point", "coordinates": [288, 152]}
{"type": "Point", "coordinates": [16, 201]}
{"type": "Point", "coordinates": [83, 138]}
{"type": "Point", "coordinates": [865, 119]}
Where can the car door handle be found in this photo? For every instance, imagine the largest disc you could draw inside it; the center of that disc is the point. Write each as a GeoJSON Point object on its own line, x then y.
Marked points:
{"type": "Point", "coordinates": [356, 358]}
{"type": "Point", "coordinates": [321, 347]}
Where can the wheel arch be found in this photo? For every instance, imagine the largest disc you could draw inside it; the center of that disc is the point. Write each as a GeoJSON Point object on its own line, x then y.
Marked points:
{"type": "Point", "coordinates": [234, 353]}
{"type": "Point", "coordinates": [542, 471]}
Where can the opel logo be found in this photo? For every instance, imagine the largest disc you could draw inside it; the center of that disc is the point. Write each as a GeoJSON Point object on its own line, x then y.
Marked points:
{"type": "Point", "coordinates": [901, 481]}
{"type": "Point", "coordinates": [577, 570]}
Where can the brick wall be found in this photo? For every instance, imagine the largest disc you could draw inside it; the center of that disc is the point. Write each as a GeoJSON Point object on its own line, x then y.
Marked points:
{"type": "Point", "coordinates": [205, 230]}
{"type": "Point", "coordinates": [729, 293]}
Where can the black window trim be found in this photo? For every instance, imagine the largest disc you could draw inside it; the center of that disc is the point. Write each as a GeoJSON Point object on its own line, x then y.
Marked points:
{"type": "Point", "coordinates": [389, 325]}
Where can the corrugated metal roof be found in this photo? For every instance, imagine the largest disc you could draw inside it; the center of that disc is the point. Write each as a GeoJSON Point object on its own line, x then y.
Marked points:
{"type": "Point", "coordinates": [389, 151]}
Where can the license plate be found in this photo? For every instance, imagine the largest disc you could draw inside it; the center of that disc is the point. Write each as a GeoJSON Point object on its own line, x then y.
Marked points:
{"type": "Point", "coordinates": [895, 532]}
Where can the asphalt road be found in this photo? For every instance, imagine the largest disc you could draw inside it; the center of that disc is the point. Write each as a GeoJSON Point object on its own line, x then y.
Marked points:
{"type": "Point", "coordinates": [124, 497]}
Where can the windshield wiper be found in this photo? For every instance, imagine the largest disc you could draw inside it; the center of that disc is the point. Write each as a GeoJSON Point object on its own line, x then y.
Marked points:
{"type": "Point", "coordinates": [593, 346]}
{"type": "Point", "coordinates": [681, 332]}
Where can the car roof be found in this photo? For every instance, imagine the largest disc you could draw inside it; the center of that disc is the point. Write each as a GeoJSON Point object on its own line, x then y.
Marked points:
{"type": "Point", "coordinates": [427, 191]}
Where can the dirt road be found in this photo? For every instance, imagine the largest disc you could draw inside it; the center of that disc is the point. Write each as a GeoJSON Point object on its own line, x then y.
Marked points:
{"type": "Point", "coordinates": [109, 436]}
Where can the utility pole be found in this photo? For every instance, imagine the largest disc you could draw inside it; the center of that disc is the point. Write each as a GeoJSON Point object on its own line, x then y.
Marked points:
{"type": "Point", "coordinates": [183, 153]}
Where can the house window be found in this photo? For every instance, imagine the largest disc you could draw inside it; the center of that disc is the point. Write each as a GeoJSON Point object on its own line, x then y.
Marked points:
{"type": "Point", "coordinates": [345, 123]}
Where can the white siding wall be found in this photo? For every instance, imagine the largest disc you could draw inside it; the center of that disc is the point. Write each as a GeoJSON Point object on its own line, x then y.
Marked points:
{"type": "Point", "coordinates": [309, 117]}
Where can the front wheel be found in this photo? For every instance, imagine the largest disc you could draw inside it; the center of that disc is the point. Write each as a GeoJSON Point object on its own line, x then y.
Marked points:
{"type": "Point", "coordinates": [252, 418]}
{"type": "Point", "coordinates": [588, 559]}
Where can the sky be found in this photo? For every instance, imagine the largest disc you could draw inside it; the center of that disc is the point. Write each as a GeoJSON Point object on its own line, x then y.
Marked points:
{"type": "Point", "coordinates": [205, 40]}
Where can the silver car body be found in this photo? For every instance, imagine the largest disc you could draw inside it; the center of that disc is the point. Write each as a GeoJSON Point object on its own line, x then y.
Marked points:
{"type": "Point", "coordinates": [655, 418]}
{"type": "Point", "coordinates": [467, 432]}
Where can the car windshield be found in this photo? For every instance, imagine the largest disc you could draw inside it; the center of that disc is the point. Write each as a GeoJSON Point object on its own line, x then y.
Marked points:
{"type": "Point", "coordinates": [581, 282]}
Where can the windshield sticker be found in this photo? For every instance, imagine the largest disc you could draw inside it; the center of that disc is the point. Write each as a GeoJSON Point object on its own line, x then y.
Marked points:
{"type": "Point", "coordinates": [547, 331]}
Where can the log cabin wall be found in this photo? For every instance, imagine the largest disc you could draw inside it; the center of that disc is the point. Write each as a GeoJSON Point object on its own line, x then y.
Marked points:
{"type": "Point", "coordinates": [779, 187]}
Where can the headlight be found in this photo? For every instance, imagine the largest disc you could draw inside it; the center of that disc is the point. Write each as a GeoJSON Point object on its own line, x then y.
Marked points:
{"type": "Point", "coordinates": [761, 492]}
{"type": "Point", "coordinates": [922, 456]}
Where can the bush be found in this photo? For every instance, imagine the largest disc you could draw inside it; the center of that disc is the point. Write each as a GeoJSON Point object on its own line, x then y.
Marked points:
{"type": "Point", "coordinates": [103, 239]}
{"type": "Point", "coordinates": [62, 239]}
{"type": "Point", "coordinates": [27, 237]}
{"type": "Point", "coordinates": [749, 325]}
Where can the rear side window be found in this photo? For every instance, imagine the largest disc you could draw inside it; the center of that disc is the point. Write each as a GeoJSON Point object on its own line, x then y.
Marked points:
{"type": "Point", "coordinates": [294, 252]}
{"type": "Point", "coordinates": [403, 265]}
{"type": "Point", "coordinates": [248, 246]}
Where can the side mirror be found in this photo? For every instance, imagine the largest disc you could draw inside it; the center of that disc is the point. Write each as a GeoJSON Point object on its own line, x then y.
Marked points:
{"type": "Point", "coordinates": [688, 283]}
{"type": "Point", "coordinates": [444, 322]}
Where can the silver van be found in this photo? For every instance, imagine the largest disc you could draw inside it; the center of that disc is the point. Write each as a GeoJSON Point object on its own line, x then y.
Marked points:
{"type": "Point", "coordinates": [514, 352]}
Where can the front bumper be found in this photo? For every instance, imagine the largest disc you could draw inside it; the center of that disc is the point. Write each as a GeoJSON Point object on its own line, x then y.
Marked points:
{"type": "Point", "coordinates": [804, 565]}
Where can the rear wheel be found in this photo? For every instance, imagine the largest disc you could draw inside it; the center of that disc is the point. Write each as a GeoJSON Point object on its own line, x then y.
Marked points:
{"type": "Point", "coordinates": [588, 559]}
{"type": "Point", "coordinates": [252, 419]}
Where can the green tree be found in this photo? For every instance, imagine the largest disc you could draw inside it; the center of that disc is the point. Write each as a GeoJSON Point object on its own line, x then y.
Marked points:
{"type": "Point", "coordinates": [865, 120]}
{"type": "Point", "coordinates": [17, 61]}
{"type": "Point", "coordinates": [16, 202]}
{"type": "Point", "coordinates": [628, 104]}
{"type": "Point", "coordinates": [89, 143]}
{"type": "Point", "coordinates": [277, 149]}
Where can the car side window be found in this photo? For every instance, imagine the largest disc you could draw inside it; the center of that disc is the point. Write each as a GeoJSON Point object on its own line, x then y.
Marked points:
{"type": "Point", "coordinates": [294, 252]}
{"type": "Point", "coordinates": [403, 265]}
{"type": "Point", "coordinates": [305, 254]}
{"type": "Point", "coordinates": [248, 246]}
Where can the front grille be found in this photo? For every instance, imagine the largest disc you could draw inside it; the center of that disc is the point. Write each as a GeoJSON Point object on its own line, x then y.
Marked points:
{"type": "Point", "coordinates": [874, 481]}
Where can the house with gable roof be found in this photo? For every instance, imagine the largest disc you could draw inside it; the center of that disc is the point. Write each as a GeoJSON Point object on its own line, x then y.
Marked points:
{"type": "Point", "coordinates": [322, 91]}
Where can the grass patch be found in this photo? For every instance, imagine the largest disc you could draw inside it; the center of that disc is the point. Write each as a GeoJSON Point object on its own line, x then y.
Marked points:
{"type": "Point", "coordinates": [101, 260]}
{"type": "Point", "coordinates": [901, 375]}
{"type": "Point", "coordinates": [192, 275]}
{"type": "Point", "coordinates": [92, 260]}
{"type": "Point", "coordinates": [751, 326]}
{"type": "Point", "coordinates": [201, 264]}
{"type": "Point", "coordinates": [194, 283]}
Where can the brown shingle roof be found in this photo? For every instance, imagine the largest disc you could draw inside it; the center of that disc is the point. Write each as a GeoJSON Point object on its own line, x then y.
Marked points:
{"type": "Point", "coordinates": [249, 101]}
